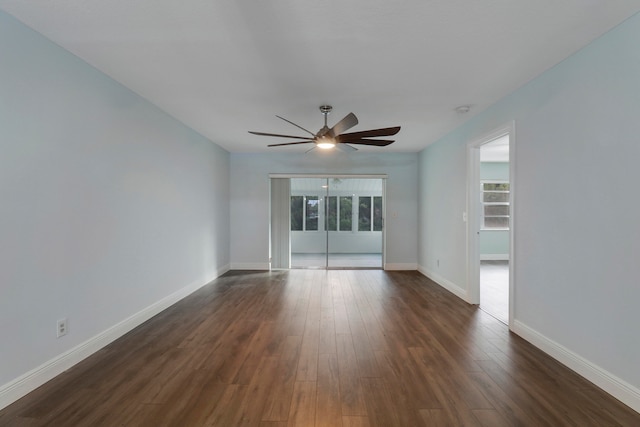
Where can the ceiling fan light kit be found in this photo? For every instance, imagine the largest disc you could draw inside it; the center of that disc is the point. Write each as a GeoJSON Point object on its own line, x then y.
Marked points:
{"type": "Point", "coordinates": [325, 143]}
{"type": "Point", "coordinates": [327, 138]}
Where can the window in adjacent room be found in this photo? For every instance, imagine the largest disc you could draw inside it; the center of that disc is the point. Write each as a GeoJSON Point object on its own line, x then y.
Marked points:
{"type": "Point", "coordinates": [297, 213]}
{"type": "Point", "coordinates": [311, 213]}
{"type": "Point", "coordinates": [346, 218]}
{"type": "Point", "coordinates": [370, 213]}
{"type": "Point", "coordinates": [495, 205]}
{"type": "Point", "coordinates": [304, 213]}
{"type": "Point", "coordinates": [339, 213]}
{"type": "Point", "coordinates": [332, 213]}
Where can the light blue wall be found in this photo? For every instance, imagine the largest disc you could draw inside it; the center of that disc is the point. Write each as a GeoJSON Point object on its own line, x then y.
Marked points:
{"type": "Point", "coordinates": [576, 229]}
{"type": "Point", "coordinates": [250, 199]}
{"type": "Point", "coordinates": [498, 171]}
{"type": "Point", "coordinates": [107, 204]}
{"type": "Point", "coordinates": [494, 244]}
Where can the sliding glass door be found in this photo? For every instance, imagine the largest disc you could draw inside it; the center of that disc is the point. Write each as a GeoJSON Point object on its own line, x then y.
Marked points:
{"type": "Point", "coordinates": [336, 222]}
{"type": "Point", "coordinates": [308, 237]}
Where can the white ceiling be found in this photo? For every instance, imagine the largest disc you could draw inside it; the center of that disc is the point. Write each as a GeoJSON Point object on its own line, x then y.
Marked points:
{"type": "Point", "coordinates": [224, 67]}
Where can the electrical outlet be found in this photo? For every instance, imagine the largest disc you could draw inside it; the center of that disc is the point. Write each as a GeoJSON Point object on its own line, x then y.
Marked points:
{"type": "Point", "coordinates": [62, 327]}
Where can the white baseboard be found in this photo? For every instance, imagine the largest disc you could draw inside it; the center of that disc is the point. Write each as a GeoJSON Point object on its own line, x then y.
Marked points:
{"type": "Point", "coordinates": [397, 266]}
{"type": "Point", "coordinates": [445, 283]}
{"type": "Point", "coordinates": [33, 379]}
{"type": "Point", "coordinates": [265, 266]}
{"type": "Point", "coordinates": [618, 388]}
{"type": "Point", "coordinates": [250, 266]}
{"type": "Point", "coordinates": [220, 272]}
{"type": "Point", "coordinates": [494, 257]}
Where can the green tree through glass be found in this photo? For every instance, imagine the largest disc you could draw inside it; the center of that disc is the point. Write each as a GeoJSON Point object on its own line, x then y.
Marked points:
{"type": "Point", "coordinates": [296, 213]}
{"type": "Point", "coordinates": [364, 214]}
{"type": "Point", "coordinates": [345, 213]}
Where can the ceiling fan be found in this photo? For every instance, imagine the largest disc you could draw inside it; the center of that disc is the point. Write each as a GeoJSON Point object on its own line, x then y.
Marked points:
{"type": "Point", "coordinates": [327, 138]}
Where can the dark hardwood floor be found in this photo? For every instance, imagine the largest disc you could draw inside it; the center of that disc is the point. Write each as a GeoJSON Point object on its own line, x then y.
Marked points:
{"type": "Point", "coordinates": [319, 348]}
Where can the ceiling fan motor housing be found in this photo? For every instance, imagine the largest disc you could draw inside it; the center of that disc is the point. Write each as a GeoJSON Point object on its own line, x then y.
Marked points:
{"type": "Point", "coordinates": [327, 138]}
{"type": "Point", "coordinates": [325, 109]}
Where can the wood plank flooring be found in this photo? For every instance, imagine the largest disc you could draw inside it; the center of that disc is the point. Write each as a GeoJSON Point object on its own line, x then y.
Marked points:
{"type": "Point", "coordinates": [494, 289]}
{"type": "Point", "coordinates": [319, 348]}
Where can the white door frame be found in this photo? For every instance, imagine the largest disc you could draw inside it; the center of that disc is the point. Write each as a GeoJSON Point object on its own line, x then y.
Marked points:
{"type": "Point", "coordinates": [474, 214]}
{"type": "Point", "coordinates": [383, 177]}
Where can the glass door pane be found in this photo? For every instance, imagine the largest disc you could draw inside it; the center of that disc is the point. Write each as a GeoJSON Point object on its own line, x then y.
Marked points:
{"type": "Point", "coordinates": [336, 222]}
{"type": "Point", "coordinates": [308, 233]}
{"type": "Point", "coordinates": [354, 222]}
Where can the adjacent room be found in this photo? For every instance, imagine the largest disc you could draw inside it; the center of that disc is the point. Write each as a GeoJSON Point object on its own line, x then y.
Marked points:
{"type": "Point", "coordinates": [494, 198]}
{"type": "Point", "coordinates": [336, 222]}
{"type": "Point", "coordinates": [307, 214]}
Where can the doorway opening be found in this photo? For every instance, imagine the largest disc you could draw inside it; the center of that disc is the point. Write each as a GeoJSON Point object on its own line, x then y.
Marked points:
{"type": "Point", "coordinates": [490, 223]}
{"type": "Point", "coordinates": [334, 222]}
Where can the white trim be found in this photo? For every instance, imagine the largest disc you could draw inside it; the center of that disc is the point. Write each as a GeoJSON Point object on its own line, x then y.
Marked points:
{"type": "Point", "coordinates": [474, 212]}
{"type": "Point", "coordinates": [322, 213]}
{"type": "Point", "coordinates": [494, 257]}
{"type": "Point", "coordinates": [249, 266]}
{"type": "Point", "coordinates": [33, 379]}
{"type": "Point", "coordinates": [445, 283]}
{"type": "Point", "coordinates": [328, 175]}
{"type": "Point", "coordinates": [398, 266]}
{"type": "Point", "coordinates": [618, 388]}
{"type": "Point", "coordinates": [512, 223]}
{"type": "Point", "coordinates": [222, 270]}
{"type": "Point", "coordinates": [473, 221]}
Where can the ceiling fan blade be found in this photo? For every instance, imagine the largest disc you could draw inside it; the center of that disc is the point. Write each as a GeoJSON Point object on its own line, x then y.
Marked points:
{"type": "Point", "coordinates": [290, 143]}
{"type": "Point", "coordinates": [349, 121]}
{"type": "Point", "coordinates": [376, 142]}
{"type": "Point", "coordinates": [346, 137]}
{"type": "Point", "coordinates": [345, 147]}
{"type": "Point", "coordinates": [277, 134]}
{"type": "Point", "coordinates": [298, 126]}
